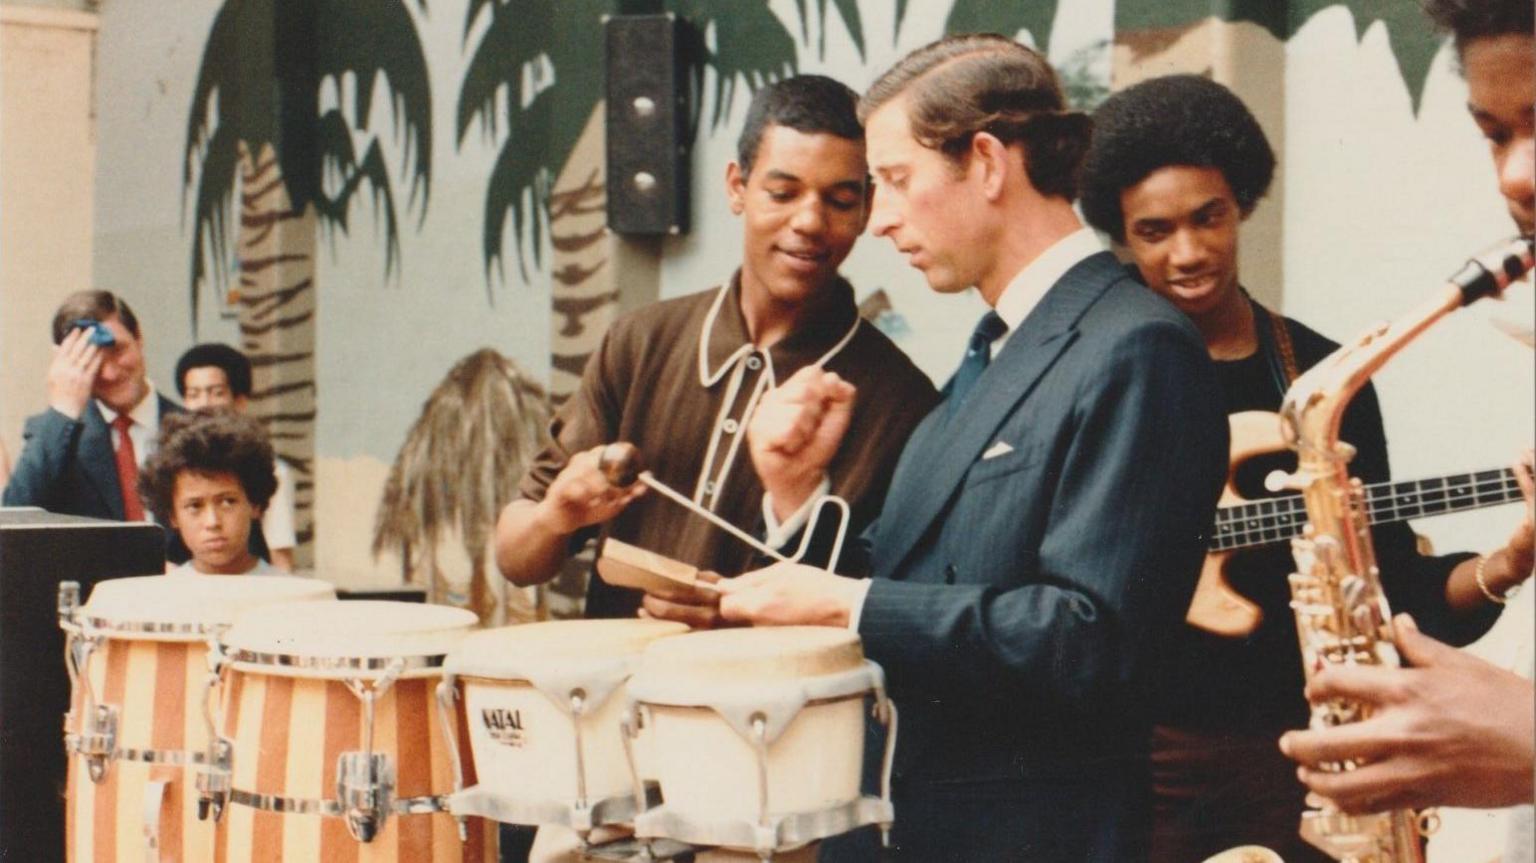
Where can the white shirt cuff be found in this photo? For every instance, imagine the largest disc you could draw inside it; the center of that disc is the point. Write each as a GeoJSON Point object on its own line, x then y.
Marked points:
{"type": "Point", "coordinates": [857, 611]}
{"type": "Point", "coordinates": [778, 534]}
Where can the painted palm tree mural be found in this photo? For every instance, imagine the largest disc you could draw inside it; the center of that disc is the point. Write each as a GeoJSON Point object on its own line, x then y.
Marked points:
{"type": "Point", "coordinates": [537, 68]}
{"type": "Point", "coordinates": [283, 114]}
{"type": "Point", "coordinates": [1145, 25]}
{"type": "Point", "coordinates": [460, 464]}
{"type": "Point", "coordinates": [535, 80]}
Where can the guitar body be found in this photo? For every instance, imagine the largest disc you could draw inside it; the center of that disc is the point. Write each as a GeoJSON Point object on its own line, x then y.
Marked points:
{"type": "Point", "coordinates": [1216, 607]}
{"type": "Point", "coordinates": [1241, 524]}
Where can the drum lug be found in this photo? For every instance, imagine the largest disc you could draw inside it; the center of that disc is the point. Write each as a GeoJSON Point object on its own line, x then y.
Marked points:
{"type": "Point", "coordinates": [96, 741]}
{"type": "Point", "coordinates": [447, 693]}
{"type": "Point", "coordinates": [213, 780]}
{"type": "Point", "coordinates": [365, 787]}
{"type": "Point", "coordinates": [69, 600]}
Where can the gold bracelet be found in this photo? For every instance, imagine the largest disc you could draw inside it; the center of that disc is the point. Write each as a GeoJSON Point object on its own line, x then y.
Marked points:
{"type": "Point", "coordinates": [1481, 576]}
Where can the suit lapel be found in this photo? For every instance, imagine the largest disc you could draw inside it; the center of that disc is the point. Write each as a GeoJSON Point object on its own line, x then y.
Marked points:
{"type": "Point", "coordinates": [944, 451]}
{"type": "Point", "coordinates": [98, 461]}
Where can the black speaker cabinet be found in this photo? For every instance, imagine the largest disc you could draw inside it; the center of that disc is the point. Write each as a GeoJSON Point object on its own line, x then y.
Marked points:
{"type": "Point", "coordinates": [37, 551]}
{"type": "Point", "coordinates": [646, 77]}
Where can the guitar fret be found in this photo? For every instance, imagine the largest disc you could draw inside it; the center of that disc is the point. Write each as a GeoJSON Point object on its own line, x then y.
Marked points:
{"type": "Point", "coordinates": [1276, 519]}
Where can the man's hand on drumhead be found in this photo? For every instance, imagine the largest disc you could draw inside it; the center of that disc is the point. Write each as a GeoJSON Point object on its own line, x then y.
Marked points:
{"type": "Point", "coordinates": [699, 607]}
{"type": "Point", "coordinates": [796, 431]}
{"type": "Point", "coordinates": [790, 594]}
{"type": "Point", "coordinates": [581, 495]}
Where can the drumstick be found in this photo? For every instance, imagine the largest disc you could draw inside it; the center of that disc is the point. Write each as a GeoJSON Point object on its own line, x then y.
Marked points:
{"type": "Point", "coordinates": [620, 464]}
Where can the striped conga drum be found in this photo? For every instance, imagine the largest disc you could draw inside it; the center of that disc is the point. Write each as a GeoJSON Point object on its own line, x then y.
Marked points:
{"type": "Point", "coordinates": [337, 753]}
{"type": "Point", "coordinates": [136, 731]}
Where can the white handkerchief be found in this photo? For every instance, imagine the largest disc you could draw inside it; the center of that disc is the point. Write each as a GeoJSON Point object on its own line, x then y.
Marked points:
{"type": "Point", "coordinates": [997, 449]}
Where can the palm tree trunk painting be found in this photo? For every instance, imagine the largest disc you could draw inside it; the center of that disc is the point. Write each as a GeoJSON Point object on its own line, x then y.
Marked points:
{"type": "Point", "coordinates": [257, 127]}
{"type": "Point", "coordinates": [584, 295]}
{"type": "Point", "coordinates": [277, 323]}
{"type": "Point", "coordinates": [591, 270]}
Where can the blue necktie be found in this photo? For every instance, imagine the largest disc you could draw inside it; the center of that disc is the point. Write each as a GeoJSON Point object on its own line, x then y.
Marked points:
{"type": "Point", "coordinates": [978, 352]}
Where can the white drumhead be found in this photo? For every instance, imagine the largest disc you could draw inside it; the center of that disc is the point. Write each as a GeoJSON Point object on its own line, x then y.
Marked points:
{"type": "Point", "coordinates": [512, 652]}
{"type": "Point", "coordinates": [319, 637]}
{"type": "Point", "coordinates": [768, 673]}
{"type": "Point", "coordinates": [760, 654]}
{"type": "Point", "coordinates": [189, 605]}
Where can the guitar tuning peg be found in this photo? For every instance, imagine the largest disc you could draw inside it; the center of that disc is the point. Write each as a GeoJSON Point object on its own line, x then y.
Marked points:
{"type": "Point", "coordinates": [1278, 481]}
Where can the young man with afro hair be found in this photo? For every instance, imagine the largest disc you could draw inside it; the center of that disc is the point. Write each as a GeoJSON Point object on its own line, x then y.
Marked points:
{"type": "Point", "coordinates": [216, 376]}
{"type": "Point", "coordinates": [1177, 164]}
{"type": "Point", "coordinates": [209, 480]}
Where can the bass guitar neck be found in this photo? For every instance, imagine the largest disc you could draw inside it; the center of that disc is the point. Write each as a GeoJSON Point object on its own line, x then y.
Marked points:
{"type": "Point", "coordinates": [1218, 608]}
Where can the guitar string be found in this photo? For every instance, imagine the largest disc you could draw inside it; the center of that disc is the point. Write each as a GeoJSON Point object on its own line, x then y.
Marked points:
{"type": "Point", "coordinates": [1281, 520]}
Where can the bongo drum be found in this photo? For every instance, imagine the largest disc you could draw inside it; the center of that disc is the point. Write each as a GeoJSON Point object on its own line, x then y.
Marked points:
{"type": "Point", "coordinates": [542, 704]}
{"type": "Point", "coordinates": [335, 753]}
{"type": "Point", "coordinates": [138, 660]}
{"type": "Point", "coordinates": [756, 737]}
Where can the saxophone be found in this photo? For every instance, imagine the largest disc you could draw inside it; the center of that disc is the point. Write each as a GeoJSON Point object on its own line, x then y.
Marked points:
{"type": "Point", "coordinates": [1341, 615]}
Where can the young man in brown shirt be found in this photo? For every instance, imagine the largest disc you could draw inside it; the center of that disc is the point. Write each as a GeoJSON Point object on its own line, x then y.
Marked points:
{"type": "Point", "coordinates": [681, 379]}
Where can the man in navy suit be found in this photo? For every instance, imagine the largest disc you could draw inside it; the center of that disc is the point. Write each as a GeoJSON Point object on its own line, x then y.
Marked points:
{"type": "Point", "coordinates": [82, 455]}
{"type": "Point", "coordinates": [1045, 524]}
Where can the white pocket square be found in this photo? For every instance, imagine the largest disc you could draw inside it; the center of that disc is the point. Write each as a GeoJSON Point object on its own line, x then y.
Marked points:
{"type": "Point", "coordinates": [997, 449]}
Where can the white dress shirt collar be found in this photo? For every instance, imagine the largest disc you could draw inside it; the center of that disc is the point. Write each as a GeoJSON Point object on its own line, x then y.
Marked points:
{"type": "Point", "coordinates": [145, 413]}
{"type": "Point", "coordinates": [146, 422]}
{"type": "Point", "coordinates": [1029, 286]}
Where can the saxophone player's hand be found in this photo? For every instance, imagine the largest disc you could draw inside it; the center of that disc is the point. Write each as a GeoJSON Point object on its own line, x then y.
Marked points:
{"type": "Point", "coordinates": [1451, 730]}
{"type": "Point", "coordinates": [1522, 545]}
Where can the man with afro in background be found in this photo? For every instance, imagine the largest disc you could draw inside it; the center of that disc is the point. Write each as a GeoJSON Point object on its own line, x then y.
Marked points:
{"type": "Point", "coordinates": [1177, 164]}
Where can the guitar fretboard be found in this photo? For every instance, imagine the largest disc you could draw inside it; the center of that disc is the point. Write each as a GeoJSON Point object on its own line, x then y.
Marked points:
{"type": "Point", "coordinates": [1278, 519]}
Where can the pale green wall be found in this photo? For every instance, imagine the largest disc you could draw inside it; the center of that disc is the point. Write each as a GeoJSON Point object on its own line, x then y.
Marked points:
{"type": "Point", "coordinates": [1379, 203]}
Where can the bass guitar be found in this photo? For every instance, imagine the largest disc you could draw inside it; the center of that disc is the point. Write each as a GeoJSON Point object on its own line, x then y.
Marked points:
{"type": "Point", "coordinates": [1219, 608]}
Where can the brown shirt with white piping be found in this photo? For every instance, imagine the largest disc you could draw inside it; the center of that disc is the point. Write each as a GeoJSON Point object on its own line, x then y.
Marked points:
{"type": "Point", "coordinates": [680, 378]}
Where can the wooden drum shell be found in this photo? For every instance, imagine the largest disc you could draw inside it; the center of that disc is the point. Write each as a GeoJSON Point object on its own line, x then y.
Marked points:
{"type": "Point", "coordinates": [287, 733]}
{"type": "Point", "coordinates": [158, 688]}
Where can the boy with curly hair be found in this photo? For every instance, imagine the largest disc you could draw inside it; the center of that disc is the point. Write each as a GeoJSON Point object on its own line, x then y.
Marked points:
{"type": "Point", "coordinates": [209, 480]}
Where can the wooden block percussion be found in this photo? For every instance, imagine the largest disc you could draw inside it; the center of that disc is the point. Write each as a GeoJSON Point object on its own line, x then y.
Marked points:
{"type": "Point", "coordinates": [625, 565]}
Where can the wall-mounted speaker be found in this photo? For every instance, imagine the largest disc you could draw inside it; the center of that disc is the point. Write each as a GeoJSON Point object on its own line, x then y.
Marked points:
{"type": "Point", "coordinates": [646, 85]}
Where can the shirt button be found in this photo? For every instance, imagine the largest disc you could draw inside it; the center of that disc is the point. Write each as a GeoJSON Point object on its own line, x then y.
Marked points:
{"type": "Point", "coordinates": [754, 362]}
{"type": "Point", "coordinates": [729, 426]}
{"type": "Point", "coordinates": [949, 573]}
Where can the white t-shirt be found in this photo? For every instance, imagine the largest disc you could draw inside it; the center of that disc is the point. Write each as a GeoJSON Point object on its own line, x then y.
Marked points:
{"type": "Point", "coordinates": [261, 568]}
{"type": "Point", "coordinates": [277, 521]}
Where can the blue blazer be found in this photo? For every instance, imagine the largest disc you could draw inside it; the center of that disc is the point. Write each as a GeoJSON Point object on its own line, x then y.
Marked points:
{"type": "Point", "coordinates": [1034, 552]}
{"type": "Point", "coordinates": [68, 466]}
